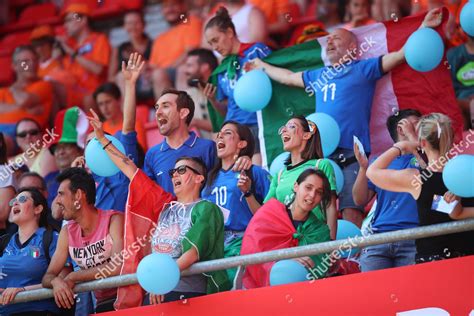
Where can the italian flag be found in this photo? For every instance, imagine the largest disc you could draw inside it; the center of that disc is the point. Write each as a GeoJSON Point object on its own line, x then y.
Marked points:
{"type": "Point", "coordinates": [72, 126]}
{"type": "Point", "coordinates": [402, 88]}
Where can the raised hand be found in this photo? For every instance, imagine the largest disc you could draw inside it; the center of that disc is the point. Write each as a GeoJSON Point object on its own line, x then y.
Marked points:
{"type": "Point", "coordinates": [131, 70]}
{"type": "Point", "coordinates": [361, 159]}
{"type": "Point", "coordinates": [433, 18]}
{"type": "Point", "coordinates": [97, 125]}
{"type": "Point", "coordinates": [244, 183]}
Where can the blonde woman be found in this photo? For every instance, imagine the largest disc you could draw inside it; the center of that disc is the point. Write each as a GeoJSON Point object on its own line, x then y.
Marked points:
{"type": "Point", "coordinates": [435, 139]}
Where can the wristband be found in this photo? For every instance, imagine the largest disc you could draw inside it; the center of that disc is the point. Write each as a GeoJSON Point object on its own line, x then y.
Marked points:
{"type": "Point", "coordinates": [248, 193]}
{"type": "Point", "coordinates": [110, 142]}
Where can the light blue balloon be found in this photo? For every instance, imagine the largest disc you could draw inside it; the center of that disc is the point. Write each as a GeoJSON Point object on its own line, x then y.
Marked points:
{"type": "Point", "coordinates": [424, 50]}
{"type": "Point", "coordinates": [328, 130]}
{"type": "Point", "coordinates": [458, 175]}
{"type": "Point", "coordinates": [339, 176]}
{"type": "Point", "coordinates": [278, 163]}
{"type": "Point", "coordinates": [346, 229]}
{"type": "Point", "coordinates": [158, 273]}
{"type": "Point", "coordinates": [287, 271]}
{"type": "Point", "coordinates": [467, 18]}
{"type": "Point", "coordinates": [253, 91]}
{"type": "Point", "coordinates": [97, 159]}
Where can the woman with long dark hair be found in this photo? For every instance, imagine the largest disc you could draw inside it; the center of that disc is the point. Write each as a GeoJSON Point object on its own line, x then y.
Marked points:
{"type": "Point", "coordinates": [278, 226]}
{"type": "Point", "coordinates": [239, 194]}
{"type": "Point", "coordinates": [7, 187]}
{"type": "Point", "coordinates": [26, 254]}
{"type": "Point", "coordinates": [301, 139]}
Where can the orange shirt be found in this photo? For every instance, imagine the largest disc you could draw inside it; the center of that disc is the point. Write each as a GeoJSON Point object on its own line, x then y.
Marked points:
{"type": "Point", "coordinates": [141, 136]}
{"type": "Point", "coordinates": [95, 48]}
{"type": "Point", "coordinates": [170, 45]}
{"type": "Point", "coordinates": [43, 89]}
{"type": "Point", "coordinates": [272, 8]}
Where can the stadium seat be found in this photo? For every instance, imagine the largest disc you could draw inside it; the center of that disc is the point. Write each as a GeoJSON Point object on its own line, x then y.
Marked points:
{"type": "Point", "coordinates": [143, 114]}
{"type": "Point", "coordinates": [6, 75]}
{"type": "Point", "coordinates": [153, 135]}
{"type": "Point", "coordinates": [11, 41]}
{"type": "Point", "coordinates": [31, 16]}
{"type": "Point", "coordinates": [112, 8]}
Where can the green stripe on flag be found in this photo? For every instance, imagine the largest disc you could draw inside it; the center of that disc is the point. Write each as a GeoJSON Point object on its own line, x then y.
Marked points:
{"type": "Point", "coordinates": [285, 102]}
{"type": "Point", "coordinates": [70, 126]}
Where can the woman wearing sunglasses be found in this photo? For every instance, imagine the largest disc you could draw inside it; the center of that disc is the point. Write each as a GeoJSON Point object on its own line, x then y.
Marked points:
{"type": "Point", "coordinates": [187, 228]}
{"type": "Point", "coordinates": [278, 226]}
{"type": "Point", "coordinates": [34, 153]}
{"type": "Point", "coordinates": [301, 139]}
{"type": "Point", "coordinates": [240, 194]}
{"type": "Point", "coordinates": [24, 260]}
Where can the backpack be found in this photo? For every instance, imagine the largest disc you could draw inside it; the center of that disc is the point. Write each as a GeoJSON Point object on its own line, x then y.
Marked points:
{"type": "Point", "coordinates": [47, 239]}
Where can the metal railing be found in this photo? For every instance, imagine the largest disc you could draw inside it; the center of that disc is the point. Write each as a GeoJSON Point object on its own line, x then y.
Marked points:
{"type": "Point", "coordinates": [274, 255]}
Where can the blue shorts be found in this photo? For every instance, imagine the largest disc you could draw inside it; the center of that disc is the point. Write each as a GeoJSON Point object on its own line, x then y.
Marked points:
{"type": "Point", "coordinates": [350, 175]}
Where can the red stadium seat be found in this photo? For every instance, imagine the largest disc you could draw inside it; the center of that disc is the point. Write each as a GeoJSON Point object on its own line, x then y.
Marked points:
{"type": "Point", "coordinates": [6, 73]}
{"type": "Point", "coordinates": [11, 41]}
{"type": "Point", "coordinates": [31, 16]}
{"type": "Point", "coordinates": [143, 114]}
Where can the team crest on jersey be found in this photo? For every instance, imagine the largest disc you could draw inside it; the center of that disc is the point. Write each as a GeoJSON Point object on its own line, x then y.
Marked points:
{"type": "Point", "coordinates": [35, 252]}
{"type": "Point", "coordinates": [414, 162]}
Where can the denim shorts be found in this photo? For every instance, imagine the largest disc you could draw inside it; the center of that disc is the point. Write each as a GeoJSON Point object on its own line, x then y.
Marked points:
{"type": "Point", "coordinates": [385, 256]}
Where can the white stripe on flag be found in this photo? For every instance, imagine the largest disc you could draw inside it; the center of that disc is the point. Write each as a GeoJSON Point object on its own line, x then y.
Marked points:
{"type": "Point", "coordinates": [261, 139]}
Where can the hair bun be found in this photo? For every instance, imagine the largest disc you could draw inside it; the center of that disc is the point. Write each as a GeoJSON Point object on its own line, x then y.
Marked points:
{"type": "Point", "coordinates": [222, 12]}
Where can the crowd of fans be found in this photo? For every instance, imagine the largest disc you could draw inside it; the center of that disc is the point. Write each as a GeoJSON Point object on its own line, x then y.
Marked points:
{"type": "Point", "coordinates": [199, 195]}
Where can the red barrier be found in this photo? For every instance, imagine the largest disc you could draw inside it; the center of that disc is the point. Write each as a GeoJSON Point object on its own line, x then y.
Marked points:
{"type": "Point", "coordinates": [445, 285]}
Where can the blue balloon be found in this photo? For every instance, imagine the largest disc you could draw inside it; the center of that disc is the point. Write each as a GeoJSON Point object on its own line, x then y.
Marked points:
{"type": "Point", "coordinates": [253, 91]}
{"type": "Point", "coordinates": [158, 273]}
{"type": "Point", "coordinates": [328, 130]}
{"type": "Point", "coordinates": [287, 271]}
{"type": "Point", "coordinates": [339, 176]}
{"type": "Point", "coordinates": [424, 50]}
{"type": "Point", "coordinates": [458, 175]}
{"type": "Point", "coordinates": [98, 160]}
{"type": "Point", "coordinates": [467, 18]}
{"type": "Point", "coordinates": [278, 163]}
{"type": "Point", "coordinates": [346, 229]}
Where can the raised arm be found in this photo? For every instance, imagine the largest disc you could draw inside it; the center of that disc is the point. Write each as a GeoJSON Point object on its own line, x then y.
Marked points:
{"type": "Point", "coordinates": [124, 163]}
{"type": "Point", "coordinates": [131, 72]}
{"type": "Point", "coordinates": [432, 19]}
{"type": "Point", "coordinates": [360, 190]}
{"type": "Point", "coordinates": [406, 180]}
{"type": "Point", "coordinates": [281, 75]}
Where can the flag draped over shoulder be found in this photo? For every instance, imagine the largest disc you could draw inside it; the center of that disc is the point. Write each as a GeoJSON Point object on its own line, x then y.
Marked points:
{"type": "Point", "coordinates": [402, 88]}
{"type": "Point", "coordinates": [145, 201]}
{"type": "Point", "coordinates": [271, 229]}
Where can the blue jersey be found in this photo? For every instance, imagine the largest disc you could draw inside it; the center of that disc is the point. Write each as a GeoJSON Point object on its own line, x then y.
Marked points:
{"type": "Point", "coordinates": [395, 210]}
{"type": "Point", "coordinates": [225, 87]}
{"type": "Point", "coordinates": [24, 265]}
{"type": "Point", "coordinates": [225, 193]}
{"type": "Point", "coordinates": [112, 192]}
{"type": "Point", "coordinates": [346, 93]}
{"type": "Point", "coordinates": [161, 158]}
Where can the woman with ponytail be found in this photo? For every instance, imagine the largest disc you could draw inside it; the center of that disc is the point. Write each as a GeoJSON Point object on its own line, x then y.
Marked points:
{"type": "Point", "coordinates": [301, 139]}
{"type": "Point", "coordinates": [221, 35]}
{"type": "Point", "coordinates": [435, 136]}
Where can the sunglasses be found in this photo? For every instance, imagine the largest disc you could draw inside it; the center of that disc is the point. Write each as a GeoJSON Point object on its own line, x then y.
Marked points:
{"type": "Point", "coordinates": [32, 132]}
{"type": "Point", "coordinates": [287, 126]}
{"type": "Point", "coordinates": [182, 170]}
{"type": "Point", "coordinates": [21, 199]}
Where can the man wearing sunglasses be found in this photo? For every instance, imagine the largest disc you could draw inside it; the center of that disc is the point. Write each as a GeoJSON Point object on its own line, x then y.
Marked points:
{"type": "Point", "coordinates": [183, 226]}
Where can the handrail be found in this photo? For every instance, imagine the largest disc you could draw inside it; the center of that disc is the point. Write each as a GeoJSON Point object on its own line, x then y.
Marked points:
{"type": "Point", "coordinates": [268, 256]}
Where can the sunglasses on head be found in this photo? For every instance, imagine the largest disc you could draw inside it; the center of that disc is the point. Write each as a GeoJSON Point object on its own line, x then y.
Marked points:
{"type": "Point", "coordinates": [182, 170]}
{"type": "Point", "coordinates": [21, 199]}
{"type": "Point", "coordinates": [32, 132]}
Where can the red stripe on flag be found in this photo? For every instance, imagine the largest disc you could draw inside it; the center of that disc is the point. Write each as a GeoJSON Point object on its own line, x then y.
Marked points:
{"type": "Point", "coordinates": [426, 92]}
